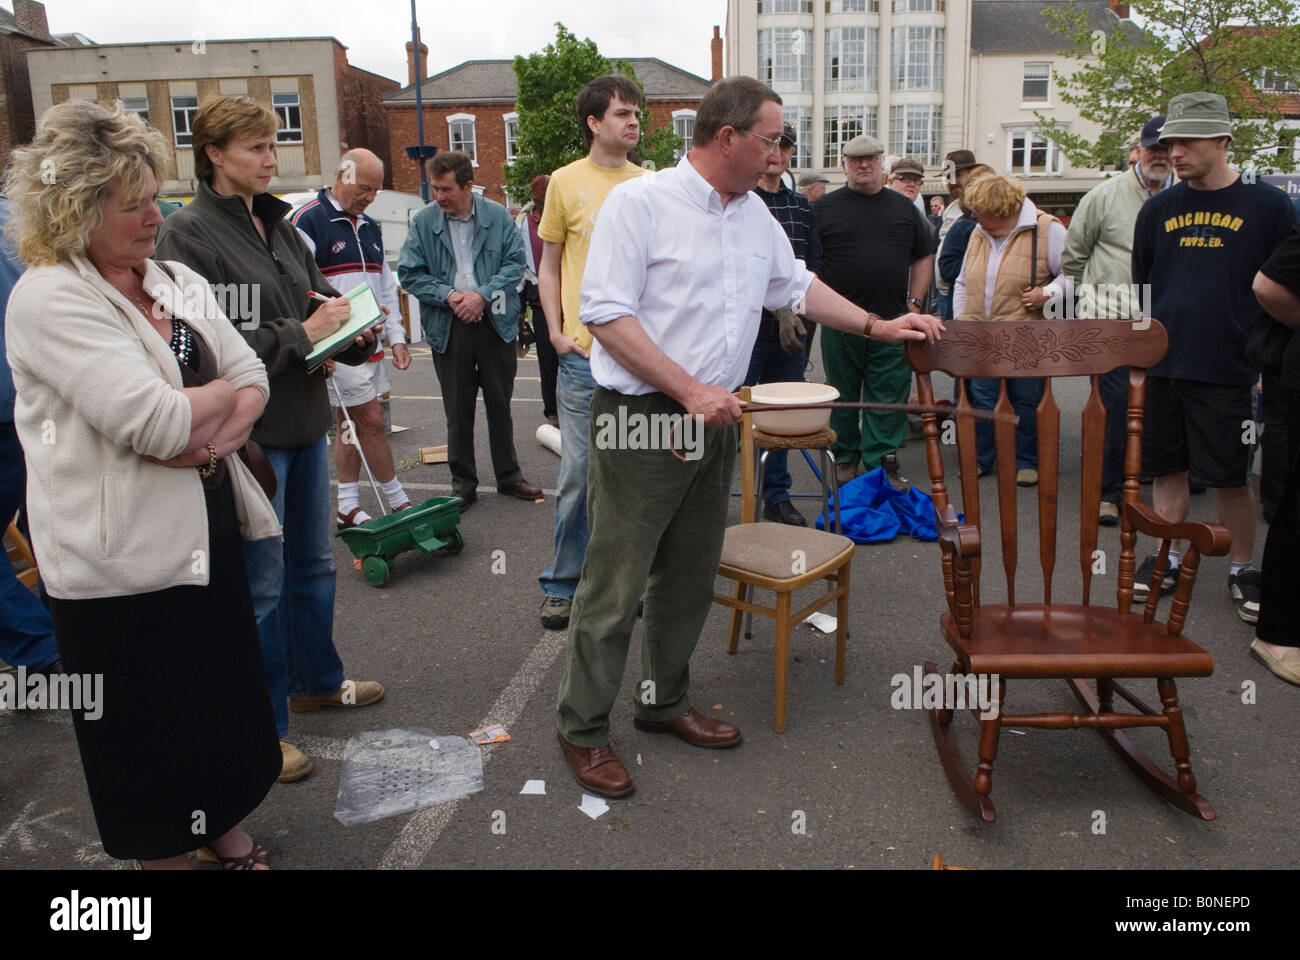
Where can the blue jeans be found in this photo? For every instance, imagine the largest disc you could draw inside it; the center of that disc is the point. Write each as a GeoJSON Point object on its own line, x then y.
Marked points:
{"type": "Point", "coordinates": [573, 390]}
{"type": "Point", "coordinates": [26, 633]}
{"type": "Point", "coordinates": [943, 305]}
{"type": "Point", "coordinates": [292, 581]}
{"type": "Point", "coordinates": [1024, 394]}
{"type": "Point", "coordinates": [771, 364]}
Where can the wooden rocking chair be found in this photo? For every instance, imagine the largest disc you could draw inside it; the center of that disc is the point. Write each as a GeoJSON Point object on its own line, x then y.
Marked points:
{"type": "Point", "coordinates": [1053, 640]}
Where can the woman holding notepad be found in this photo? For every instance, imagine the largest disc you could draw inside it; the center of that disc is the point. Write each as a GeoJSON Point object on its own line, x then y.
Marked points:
{"type": "Point", "coordinates": [235, 234]}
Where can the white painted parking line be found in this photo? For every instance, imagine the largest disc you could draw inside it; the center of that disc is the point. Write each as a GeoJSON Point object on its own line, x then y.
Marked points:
{"type": "Point", "coordinates": [446, 488]}
{"type": "Point", "coordinates": [421, 832]}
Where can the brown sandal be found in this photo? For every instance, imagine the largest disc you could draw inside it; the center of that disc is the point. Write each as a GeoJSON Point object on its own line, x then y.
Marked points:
{"type": "Point", "coordinates": [248, 861]}
{"type": "Point", "coordinates": [349, 519]}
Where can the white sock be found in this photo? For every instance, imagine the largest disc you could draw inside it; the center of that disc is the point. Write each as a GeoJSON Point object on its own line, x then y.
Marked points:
{"type": "Point", "coordinates": [349, 497]}
{"type": "Point", "coordinates": [1235, 568]}
{"type": "Point", "coordinates": [1175, 559]}
{"type": "Point", "coordinates": [394, 492]}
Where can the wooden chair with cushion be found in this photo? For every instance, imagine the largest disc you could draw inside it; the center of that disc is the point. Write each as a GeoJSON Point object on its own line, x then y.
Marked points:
{"type": "Point", "coordinates": [1075, 642]}
{"type": "Point", "coordinates": [783, 559]}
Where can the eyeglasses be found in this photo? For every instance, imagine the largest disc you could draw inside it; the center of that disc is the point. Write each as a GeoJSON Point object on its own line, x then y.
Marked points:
{"type": "Point", "coordinates": [770, 145]}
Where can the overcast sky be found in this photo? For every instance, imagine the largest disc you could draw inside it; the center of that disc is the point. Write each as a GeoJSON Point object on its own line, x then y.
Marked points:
{"type": "Point", "coordinates": [376, 31]}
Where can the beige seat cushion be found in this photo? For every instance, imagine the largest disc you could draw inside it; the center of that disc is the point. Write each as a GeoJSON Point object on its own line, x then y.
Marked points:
{"type": "Point", "coordinates": [767, 548]}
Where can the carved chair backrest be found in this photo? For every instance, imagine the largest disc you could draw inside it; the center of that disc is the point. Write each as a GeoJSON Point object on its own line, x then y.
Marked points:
{"type": "Point", "coordinates": [1039, 348]}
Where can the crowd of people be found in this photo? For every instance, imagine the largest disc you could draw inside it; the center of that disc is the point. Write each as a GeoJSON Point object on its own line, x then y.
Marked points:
{"type": "Point", "coordinates": [176, 457]}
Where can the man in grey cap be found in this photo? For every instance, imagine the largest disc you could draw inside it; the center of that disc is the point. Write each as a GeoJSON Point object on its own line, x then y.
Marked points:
{"type": "Point", "coordinates": [876, 252]}
{"type": "Point", "coordinates": [1098, 256]}
{"type": "Point", "coordinates": [813, 185]}
{"type": "Point", "coordinates": [1199, 245]}
{"type": "Point", "coordinates": [905, 176]}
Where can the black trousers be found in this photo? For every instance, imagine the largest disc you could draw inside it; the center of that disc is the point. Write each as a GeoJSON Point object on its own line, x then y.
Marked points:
{"type": "Point", "coordinates": [548, 363]}
{"type": "Point", "coordinates": [1274, 459]}
{"type": "Point", "coordinates": [1279, 600]}
{"type": "Point", "coordinates": [477, 357]}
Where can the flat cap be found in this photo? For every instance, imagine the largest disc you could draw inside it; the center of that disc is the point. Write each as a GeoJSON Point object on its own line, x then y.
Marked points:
{"type": "Point", "coordinates": [906, 165]}
{"type": "Point", "coordinates": [863, 145]}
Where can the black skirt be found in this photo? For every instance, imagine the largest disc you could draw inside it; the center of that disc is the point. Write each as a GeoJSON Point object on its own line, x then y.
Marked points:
{"type": "Point", "coordinates": [186, 746]}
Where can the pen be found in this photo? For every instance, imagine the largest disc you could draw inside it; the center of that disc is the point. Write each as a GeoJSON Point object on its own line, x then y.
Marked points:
{"type": "Point", "coordinates": [318, 296]}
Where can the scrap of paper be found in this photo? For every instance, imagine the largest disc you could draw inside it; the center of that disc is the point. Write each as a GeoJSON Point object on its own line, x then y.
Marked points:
{"type": "Point", "coordinates": [821, 622]}
{"type": "Point", "coordinates": [593, 806]}
{"type": "Point", "coordinates": [537, 787]}
{"type": "Point", "coordinates": [494, 733]}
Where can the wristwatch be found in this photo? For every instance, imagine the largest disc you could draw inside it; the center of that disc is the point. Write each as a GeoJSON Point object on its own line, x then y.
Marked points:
{"type": "Point", "coordinates": [914, 302]}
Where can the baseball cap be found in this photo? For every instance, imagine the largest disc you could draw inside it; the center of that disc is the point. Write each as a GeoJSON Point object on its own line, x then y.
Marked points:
{"type": "Point", "coordinates": [1151, 131]}
{"type": "Point", "coordinates": [787, 133]}
{"type": "Point", "coordinates": [863, 145]}
{"type": "Point", "coordinates": [1196, 116]}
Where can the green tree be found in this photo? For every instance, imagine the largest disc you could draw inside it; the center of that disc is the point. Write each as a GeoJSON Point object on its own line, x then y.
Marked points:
{"type": "Point", "coordinates": [548, 134]}
{"type": "Point", "coordinates": [1131, 72]}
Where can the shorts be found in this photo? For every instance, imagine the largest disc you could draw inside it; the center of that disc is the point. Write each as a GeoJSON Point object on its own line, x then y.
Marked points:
{"type": "Point", "coordinates": [1198, 427]}
{"type": "Point", "coordinates": [359, 384]}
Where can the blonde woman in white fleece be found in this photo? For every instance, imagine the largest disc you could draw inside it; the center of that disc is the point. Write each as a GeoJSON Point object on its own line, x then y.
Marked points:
{"type": "Point", "coordinates": [137, 500]}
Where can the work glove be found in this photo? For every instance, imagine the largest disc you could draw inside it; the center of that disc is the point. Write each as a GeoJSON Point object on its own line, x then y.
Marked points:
{"type": "Point", "coordinates": [790, 328]}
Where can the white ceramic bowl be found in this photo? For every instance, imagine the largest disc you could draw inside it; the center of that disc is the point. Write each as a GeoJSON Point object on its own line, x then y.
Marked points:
{"type": "Point", "coordinates": [793, 423]}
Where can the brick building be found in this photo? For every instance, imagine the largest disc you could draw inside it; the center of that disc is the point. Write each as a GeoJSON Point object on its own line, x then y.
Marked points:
{"type": "Point", "coordinates": [325, 104]}
{"type": "Point", "coordinates": [24, 29]}
{"type": "Point", "coordinates": [472, 107]}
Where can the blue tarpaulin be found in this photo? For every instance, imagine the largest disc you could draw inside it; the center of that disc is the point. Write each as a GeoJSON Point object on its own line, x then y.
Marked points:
{"type": "Point", "coordinates": [872, 510]}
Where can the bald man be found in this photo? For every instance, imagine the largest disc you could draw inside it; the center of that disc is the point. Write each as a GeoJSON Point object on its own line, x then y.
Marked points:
{"type": "Point", "coordinates": [349, 249]}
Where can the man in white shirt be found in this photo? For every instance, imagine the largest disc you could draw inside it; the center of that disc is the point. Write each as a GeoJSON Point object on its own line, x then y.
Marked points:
{"type": "Point", "coordinates": [681, 265]}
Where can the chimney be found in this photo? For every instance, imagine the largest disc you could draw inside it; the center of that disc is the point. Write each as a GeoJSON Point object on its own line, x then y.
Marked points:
{"type": "Point", "coordinates": [411, 78]}
{"type": "Point", "coordinates": [1119, 9]}
{"type": "Point", "coordinates": [30, 17]}
{"type": "Point", "coordinates": [716, 50]}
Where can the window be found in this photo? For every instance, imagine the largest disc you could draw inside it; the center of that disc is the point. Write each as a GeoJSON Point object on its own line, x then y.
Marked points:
{"type": "Point", "coordinates": [1274, 81]}
{"type": "Point", "coordinates": [785, 59]}
{"type": "Point", "coordinates": [842, 124]}
{"type": "Point", "coordinates": [917, 6]}
{"type": "Point", "coordinates": [1037, 83]}
{"type": "Point", "coordinates": [460, 135]}
{"type": "Point", "coordinates": [137, 105]}
{"type": "Point", "coordinates": [914, 132]}
{"type": "Point", "coordinates": [852, 6]}
{"type": "Point", "coordinates": [512, 133]}
{"type": "Point", "coordinates": [785, 6]}
{"type": "Point", "coordinates": [917, 58]}
{"type": "Point", "coordinates": [1029, 153]}
{"type": "Point", "coordinates": [684, 127]}
{"type": "Point", "coordinates": [287, 108]}
{"type": "Point", "coordinates": [183, 110]}
{"type": "Point", "coordinates": [801, 119]}
{"type": "Point", "coordinates": [851, 58]}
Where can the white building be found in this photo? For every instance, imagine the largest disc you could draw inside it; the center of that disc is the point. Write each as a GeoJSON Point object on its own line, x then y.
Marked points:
{"type": "Point", "coordinates": [925, 76]}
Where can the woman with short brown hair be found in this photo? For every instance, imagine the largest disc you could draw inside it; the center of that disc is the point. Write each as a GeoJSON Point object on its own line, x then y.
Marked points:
{"type": "Point", "coordinates": [235, 233]}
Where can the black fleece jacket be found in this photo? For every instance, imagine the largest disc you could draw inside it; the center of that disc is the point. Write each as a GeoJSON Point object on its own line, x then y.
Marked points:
{"type": "Point", "coordinates": [263, 286]}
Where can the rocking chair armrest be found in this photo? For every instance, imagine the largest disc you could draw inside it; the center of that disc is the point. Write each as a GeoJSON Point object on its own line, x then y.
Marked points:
{"type": "Point", "coordinates": [1209, 539]}
{"type": "Point", "coordinates": [964, 537]}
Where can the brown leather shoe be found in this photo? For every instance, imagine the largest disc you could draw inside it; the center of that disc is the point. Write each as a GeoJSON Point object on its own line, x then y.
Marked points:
{"type": "Point", "coordinates": [467, 499]}
{"type": "Point", "coordinates": [695, 728]}
{"type": "Point", "coordinates": [523, 490]}
{"type": "Point", "coordinates": [598, 770]}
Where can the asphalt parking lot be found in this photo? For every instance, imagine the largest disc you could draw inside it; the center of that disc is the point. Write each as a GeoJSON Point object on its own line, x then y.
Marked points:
{"type": "Point", "coordinates": [852, 782]}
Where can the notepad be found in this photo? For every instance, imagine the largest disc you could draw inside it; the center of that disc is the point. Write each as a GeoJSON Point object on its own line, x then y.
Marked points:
{"type": "Point", "coordinates": [365, 314]}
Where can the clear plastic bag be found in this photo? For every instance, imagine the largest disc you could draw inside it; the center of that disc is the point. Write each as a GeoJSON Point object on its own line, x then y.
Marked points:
{"type": "Point", "coordinates": [387, 772]}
